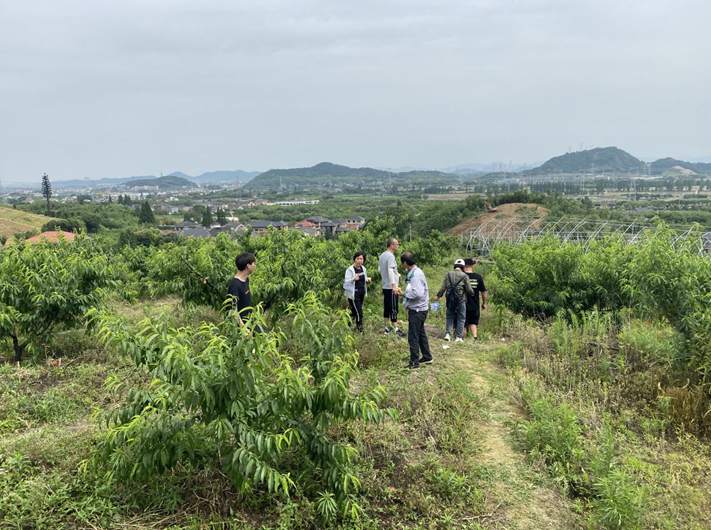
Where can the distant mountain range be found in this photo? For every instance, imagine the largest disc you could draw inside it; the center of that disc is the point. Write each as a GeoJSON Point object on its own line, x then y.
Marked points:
{"type": "Point", "coordinates": [596, 160]}
{"type": "Point", "coordinates": [170, 182]}
{"type": "Point", "coordinates": [664, 165]}
{"type": "Point", "coordinates": [328, 175]}
{"type": "Point", "coordinates": [211, 176]}
{"type": "Point", "coordinates": [218, 176]}
{"type": "Point", "coordinates": [603, 159]}
{"type": "Point", "coordinates": [615, 160]}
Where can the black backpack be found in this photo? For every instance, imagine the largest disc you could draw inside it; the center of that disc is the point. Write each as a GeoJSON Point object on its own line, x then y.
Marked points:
{"type": "Point", "coordinates": [453, 299]}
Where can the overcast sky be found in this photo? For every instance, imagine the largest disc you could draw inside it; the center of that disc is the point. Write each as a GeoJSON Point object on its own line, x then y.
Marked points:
{"type": "Point", "coordinates": [138, 87]}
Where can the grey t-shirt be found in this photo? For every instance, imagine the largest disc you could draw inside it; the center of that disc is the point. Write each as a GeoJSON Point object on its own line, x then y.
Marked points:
{"type": "Point", "coordinates": [387, 261]}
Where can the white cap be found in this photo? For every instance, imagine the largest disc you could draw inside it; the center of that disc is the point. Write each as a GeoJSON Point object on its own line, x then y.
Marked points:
{"type": "Point", "coordinates": [459, 262]}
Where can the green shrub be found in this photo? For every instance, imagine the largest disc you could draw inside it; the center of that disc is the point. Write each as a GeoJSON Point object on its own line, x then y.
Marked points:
{"type": "Point", "coordinates": [619, 503]}
{"type": "Point", "coordinates": [46, 286]}
{"type": "Point", "coordinates": [227, 399]}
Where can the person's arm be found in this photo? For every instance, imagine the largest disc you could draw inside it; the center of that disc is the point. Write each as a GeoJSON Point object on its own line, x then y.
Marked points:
{"type": "Point", "coordinates": [233, 295]}
{"type": "Point", "coordinates": [392, 277]}
{"type": "Point", "coordinates": [417, 288]}
{"type": "Point", "coordinates": [442, 289]}
{"type": "Point", "coordinates": [350, 275]}
{"type": "Point", "coordinates": [235, 310]}
{"type": "Point", "coordinates": [483, 299]}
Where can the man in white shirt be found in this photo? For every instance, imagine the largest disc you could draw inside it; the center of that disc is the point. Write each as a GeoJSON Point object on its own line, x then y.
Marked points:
{"type": "Point", "coordinates": [391, 291]}
{"type": "Point", "coordinates": [417, 302]}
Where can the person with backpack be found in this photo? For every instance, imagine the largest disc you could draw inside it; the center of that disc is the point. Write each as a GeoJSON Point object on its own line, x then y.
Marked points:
{"type": "Point", "coordinates": [456, 285]}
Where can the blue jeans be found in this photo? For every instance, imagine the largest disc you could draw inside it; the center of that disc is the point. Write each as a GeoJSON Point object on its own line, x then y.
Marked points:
{"type": "Point", "coordinates": [459, 314]}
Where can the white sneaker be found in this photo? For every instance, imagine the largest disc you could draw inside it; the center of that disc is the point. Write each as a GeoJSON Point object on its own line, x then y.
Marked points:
{"type": "Point", "coordinates": [447, 337]}
{"type": "Point", "coordinates": [459, 339]}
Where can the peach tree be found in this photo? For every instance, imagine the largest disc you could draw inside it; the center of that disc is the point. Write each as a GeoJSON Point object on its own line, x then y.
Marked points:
{"type": "Point", "coordinates": [47, 286]}
{"type": "Point", "coordinates": [259, 407]}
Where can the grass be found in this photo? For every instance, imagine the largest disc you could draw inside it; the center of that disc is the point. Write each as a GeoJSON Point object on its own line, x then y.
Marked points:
{"type": "Point", "coordinates": [480, 440]}
{"type": "Point", "coordinates": [615, 450]}
{"type": "Point", "coordinates": [17, 221]}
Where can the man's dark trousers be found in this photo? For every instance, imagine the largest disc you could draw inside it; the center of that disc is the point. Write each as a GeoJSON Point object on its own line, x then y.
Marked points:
{"type": "Point", "coordinates": [417, 337]}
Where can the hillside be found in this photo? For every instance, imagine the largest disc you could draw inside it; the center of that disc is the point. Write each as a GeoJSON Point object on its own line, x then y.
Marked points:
{"type": "Point", "coordinates": [327, 174]}
{"type": "Point", "coordinates": [664, 165]}
{"type": "Point", "coordinates": [517, 212]}
{"type": "Point", "coordinates": [591, 161]}
{"type": "Point", "coordinates": [163, 183]}
{"type": "Point", "coordinates": [17, 221]}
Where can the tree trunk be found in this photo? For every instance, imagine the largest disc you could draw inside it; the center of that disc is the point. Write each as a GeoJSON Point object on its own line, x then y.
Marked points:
{"type": "Point", "coordinates": [19, 348]}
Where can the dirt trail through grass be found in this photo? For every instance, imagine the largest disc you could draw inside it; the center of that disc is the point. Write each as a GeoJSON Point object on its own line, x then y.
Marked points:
{"type": "Point", "coordinates": [523, 497]}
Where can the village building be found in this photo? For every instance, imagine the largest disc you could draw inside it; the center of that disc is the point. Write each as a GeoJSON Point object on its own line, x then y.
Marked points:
{"type": "Point", "coordinates": [198, 233]}
{"type": "Point", "coordinates": [260, 228]}
{"type": "Point", "coordinates": [52, 237]}
{"type": "Point", "coordinates": [186, 225]}
{"type": "Point", "coordinates": [307, 230]}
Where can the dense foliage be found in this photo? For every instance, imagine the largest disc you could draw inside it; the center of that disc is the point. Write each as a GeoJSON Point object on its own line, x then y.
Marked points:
{"type": "Point", "coordinates": [288, 264]}
{"type": "Point", "coordinates": [44, 286]}
{"type": "Point", "coordinates": [249, 404]}
{"type": "Point", "coordinates": [660, 277]}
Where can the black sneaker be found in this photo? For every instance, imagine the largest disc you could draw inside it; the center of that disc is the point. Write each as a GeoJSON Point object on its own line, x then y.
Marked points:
{"type": "Point", "coordinates": [400, 333]}
{"type": "Point", "coordinates": [412, 367]}
{"type": "Point", "coordinates": [428, 361]}
{"type": "Point", "coordinates": [386, 331]}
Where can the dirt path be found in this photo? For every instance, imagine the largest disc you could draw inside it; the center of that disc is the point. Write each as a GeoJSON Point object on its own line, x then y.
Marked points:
{"type": "Point", "coordinates": [521, 496]}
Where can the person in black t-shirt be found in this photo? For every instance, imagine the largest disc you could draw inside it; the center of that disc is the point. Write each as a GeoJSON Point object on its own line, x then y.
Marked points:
{"type": "Point", "coordinates": [238, 289]}
{"type": "Point", "coordinates": [477, 283]}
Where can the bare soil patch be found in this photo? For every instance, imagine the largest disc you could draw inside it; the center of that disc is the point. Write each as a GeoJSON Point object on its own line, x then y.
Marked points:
{"type": "Point", "coordinates": [515, 211]}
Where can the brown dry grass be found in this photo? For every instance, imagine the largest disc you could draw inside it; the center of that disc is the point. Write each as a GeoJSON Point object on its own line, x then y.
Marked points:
{"type": "Point", "coordinates": [16, 221]}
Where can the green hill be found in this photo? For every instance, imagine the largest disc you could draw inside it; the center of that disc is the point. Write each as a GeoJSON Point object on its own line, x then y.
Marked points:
{"type": "Point", "coordinates": [593, 160]}
{"type": "Point", "coordinates": [19, 221]}
{"type": "Point", "coordinates": [163, 183]}
{"type": "Point", "coordinates": [664, 165]}
{"type": "Point", "coordinates": [326, 175]}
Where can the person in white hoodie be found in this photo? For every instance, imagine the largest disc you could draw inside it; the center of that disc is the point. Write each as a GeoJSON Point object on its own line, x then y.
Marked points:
{"type": "Point", "coordinates": [355, 288]}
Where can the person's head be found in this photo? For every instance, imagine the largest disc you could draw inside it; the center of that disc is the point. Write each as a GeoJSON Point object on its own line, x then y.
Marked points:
{"type": "Point", "coordinates": [459, 264]}
{"type": "Point", "coordinates": [246, 262]}
{"type": "Point", "coordinates": [393, 244]}
{"type": "Point", "coordinates": [407, 260]}
{"type": "Point", "coordinates": [468, 264]}
{"type": "Point", "coordinates": [358, 258]}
